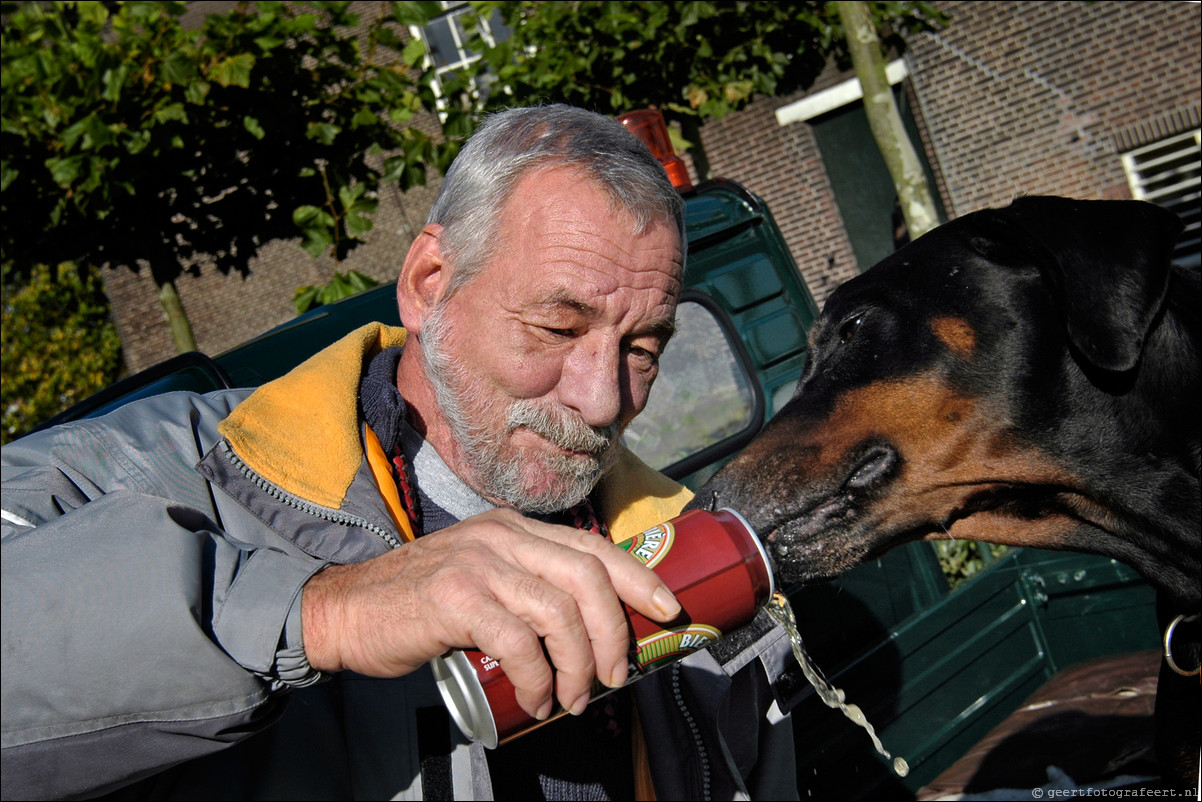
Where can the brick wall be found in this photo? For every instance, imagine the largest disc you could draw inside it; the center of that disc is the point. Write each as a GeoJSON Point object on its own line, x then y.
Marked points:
{"type": "Point", "coordinates": [227, 308]}
{"type": "Point", "coordinates": [1035, 97]}
{"type": "Point", "coordinates": [1015, 98]}
{"type": "Point", "coordinates": [1031, 97]}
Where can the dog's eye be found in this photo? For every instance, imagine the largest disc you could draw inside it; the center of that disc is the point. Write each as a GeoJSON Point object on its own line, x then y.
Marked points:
{"type": "Point", "coordinates": [848, 329]}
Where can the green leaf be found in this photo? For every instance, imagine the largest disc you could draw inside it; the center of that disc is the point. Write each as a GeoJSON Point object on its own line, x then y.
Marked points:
{"type": "Point", "coordinates": [340, 285]}
{"type": "Point", "coordinates": [7, 176]}
{"type": "Point", "coordinates": [347, 195]}
{"type": "Point", "coordinates": [268, 43]}
{"type": "Point", "coordinates": [316, 240]}
{"type": "Point", "coordinates": [393, 167]}
{"type": "Point", "coordinates": [59, 344]}
{"type": "Point", "coordinates": [234, 71]}
{"type": "Point", "coordinates": [304, 298]}
{"type": "Point", "coordinates": [414, 52]}
{"type": "Point", "coordinates": [364, 117]}
{"type": "Point", "coordinates": [92, 15]}
{"type": "Point", "coordinates": [172, 111]}
{"type": "Point", "coordinates": [64, 171]}
{"type": "Point", "coordinates": [360, 282]}
{"type": "Point", "coordinates": [73, 132]}
{"type": "Point", "coordinates": [357, 222]}
{"type": "Point", "coordinates": [113, 80]}
{"type": "Point", "coordinates": [325, 133]}
{"type": "Point", "coordinates": [303, 215]}
{"type": "Point", "coordinates": [406, 12]}
{"type": "Point", "coordinates": [196, 92]}
{"type": "Point", "coordinates": [253, 128]}
{"type": "Point", "coordinates": [178, 67]}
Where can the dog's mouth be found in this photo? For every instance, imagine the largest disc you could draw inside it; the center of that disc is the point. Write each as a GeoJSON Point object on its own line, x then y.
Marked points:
{"type": "Point", "coordinates": [822, 510]}
{"type": "Point", "coordinates": [844, 530]}
{"type": "Point", "coordinates": [833, 537]}
{"type": "Point", "coordinates": [819, 529]}
{"type": "Point", "coordinates": [817, 533]}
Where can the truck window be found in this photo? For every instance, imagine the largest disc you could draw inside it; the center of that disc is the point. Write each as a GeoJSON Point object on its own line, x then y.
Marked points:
{"type": "Point", "coordinates": [703, 398]}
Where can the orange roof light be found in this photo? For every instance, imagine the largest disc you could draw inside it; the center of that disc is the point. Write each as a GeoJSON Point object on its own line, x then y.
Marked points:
{"type": "Point", "coordinates": [649, 126]}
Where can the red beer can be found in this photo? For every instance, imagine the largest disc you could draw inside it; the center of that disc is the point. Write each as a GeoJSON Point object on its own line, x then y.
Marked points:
{"type": "Point", "coordinates": [712, 561]}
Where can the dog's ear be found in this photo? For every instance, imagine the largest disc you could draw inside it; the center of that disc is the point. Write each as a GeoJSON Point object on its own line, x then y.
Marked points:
{"type": "Point", "coordinates": [1108, 266]}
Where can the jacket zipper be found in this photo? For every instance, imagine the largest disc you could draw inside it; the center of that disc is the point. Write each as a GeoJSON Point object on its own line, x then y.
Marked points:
{"type": "Point", "coordinates": [678, 695]}
{"type": "Point", "coordinates": [308, 507]}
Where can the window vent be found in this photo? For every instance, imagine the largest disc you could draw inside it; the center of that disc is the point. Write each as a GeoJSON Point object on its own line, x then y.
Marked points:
{"type": "Point", "coordinates": [1167, 173]}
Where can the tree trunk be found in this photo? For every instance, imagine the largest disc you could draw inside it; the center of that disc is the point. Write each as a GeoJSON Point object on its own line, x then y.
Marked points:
{"type": "Point", "coordinates": [913, 192]}
{"type": "Point", "coordinates": [177, 318]}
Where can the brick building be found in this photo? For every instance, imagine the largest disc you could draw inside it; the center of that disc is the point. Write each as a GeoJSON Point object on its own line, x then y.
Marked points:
{"type": "Point", "coordinates": [1011, 98]}
{"type": "Point", "coordinates": [1069, 98]}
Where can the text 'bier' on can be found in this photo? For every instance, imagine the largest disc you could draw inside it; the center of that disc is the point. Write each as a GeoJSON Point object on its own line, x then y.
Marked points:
{"type": "Point", "coordinates": [712, 561]}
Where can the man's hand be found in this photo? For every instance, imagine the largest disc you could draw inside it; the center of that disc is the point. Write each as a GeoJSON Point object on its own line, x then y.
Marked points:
{"type": "Point", "coordinates": [501, 583]}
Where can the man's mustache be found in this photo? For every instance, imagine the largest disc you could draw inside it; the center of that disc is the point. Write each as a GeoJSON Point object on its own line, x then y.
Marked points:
{"type": "Point", "coordinates": [561, 427]}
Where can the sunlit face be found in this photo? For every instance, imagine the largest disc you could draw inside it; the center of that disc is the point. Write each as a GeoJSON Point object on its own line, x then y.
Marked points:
{"type": "Point", "coordinates": [541, 360]}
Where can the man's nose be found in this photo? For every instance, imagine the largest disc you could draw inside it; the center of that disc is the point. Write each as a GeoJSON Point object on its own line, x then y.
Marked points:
{"type": "Point", "coordinates": [591, 383]}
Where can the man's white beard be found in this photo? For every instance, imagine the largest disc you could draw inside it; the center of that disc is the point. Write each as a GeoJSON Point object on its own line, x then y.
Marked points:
{"type": "Point", "coordinates": [509, 477]}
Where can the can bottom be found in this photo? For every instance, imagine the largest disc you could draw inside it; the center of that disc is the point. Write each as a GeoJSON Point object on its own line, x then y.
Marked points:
{"type": "Point", "coordinates": [464, 697]}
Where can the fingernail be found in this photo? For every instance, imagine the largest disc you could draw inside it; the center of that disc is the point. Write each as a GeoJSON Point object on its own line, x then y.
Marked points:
{"type": "Point", "coordinates": [617, 677]}
{"type": "Point", "coordinates": [666, 603]}
{"type": "Point", "coordinates": [545, 710]}
{"type": "Point", "coordinates": [578, 706]}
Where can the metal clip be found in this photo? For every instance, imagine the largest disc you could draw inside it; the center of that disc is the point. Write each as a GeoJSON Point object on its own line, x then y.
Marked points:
{"type": "Point", "coordinates": [1168, 646]}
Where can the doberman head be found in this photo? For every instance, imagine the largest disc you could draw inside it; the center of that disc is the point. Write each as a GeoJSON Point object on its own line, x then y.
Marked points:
{"type": "Point", "coordinates": [1026, 376]}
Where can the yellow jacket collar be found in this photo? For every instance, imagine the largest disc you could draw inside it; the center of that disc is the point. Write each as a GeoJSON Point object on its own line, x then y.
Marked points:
{"type": "Point", "coordinates": [634, 497]}
{"type": "Point", "coordinates": [301, 432]}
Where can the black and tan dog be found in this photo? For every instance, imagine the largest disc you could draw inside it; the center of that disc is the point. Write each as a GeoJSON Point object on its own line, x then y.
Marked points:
{"type": "Point", "coordinates": [1027, 376]}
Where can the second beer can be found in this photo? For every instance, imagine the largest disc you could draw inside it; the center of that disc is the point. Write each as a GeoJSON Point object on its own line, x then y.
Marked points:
{"type": "Point", "coordinates": [712, 561]}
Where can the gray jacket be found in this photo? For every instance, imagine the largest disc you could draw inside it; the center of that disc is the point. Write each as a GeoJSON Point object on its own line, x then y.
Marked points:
{"type": "Point", "coordinates": [152, 568]}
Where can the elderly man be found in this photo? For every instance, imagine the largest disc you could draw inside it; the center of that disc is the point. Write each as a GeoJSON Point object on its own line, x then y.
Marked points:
{"type": "Point", "coordinates": [177, 571]}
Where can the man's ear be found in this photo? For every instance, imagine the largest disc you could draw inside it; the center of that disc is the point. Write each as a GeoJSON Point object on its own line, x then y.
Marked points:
{"type": "Point", "coordinates": [423, 278]}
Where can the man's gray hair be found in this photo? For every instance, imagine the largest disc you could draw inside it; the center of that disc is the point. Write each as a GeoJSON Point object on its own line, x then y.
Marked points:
{"type": "Point", "coordinates": [510, 144]}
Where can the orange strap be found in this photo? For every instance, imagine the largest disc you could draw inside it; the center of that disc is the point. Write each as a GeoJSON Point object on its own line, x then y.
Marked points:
{"type": "Point", "coordinates": [644, 791]}
{"type": "Point", "coordinates": [381, 471]}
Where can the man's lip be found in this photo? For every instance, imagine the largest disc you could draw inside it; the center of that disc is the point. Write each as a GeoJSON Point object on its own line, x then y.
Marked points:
{"type": "Point", "coordinates": [572, 452]}
{"type": "Point", "coordinates": [558, 448]}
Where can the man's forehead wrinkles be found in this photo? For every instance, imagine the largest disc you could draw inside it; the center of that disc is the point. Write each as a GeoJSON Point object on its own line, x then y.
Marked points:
{"type": "Point", "coordinates": [579, 238]}
{"type": "Point", "coordinates": [565, 297]}
{"type": "Point", "coordinates": [585, 255]}
{"type": "Point", "coordinates": [583, 281]}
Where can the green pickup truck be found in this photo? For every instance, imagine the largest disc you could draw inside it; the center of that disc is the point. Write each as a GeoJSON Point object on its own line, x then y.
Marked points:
{"type": "Point", "coordinates": [933, 669]}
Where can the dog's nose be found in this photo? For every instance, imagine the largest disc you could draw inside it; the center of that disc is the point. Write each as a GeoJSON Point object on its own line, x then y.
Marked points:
{"type": "Point", "coordinates": [873, 468]}
{"type": "Point", "coordinates": [706, 499]}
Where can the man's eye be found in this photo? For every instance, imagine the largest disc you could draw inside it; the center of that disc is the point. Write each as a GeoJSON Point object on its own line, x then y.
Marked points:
{"type": "Point", "coordinates": [558, 332]}
{"type": "Point", "coordinates": [642, 354]}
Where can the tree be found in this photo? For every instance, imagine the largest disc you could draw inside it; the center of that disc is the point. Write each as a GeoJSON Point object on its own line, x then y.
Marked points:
{"type": "Point", "coordinates": [864, 47]}
{"type": "Point", "coordinates": [695, 61]}
{"type": "Point", "coordinates": [129, 140]}
{"type": "Point", "coordinates": [54, 317]}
